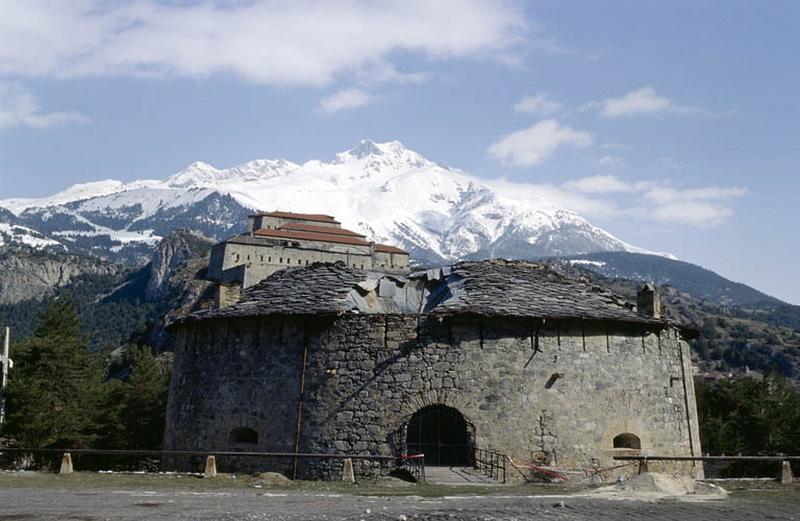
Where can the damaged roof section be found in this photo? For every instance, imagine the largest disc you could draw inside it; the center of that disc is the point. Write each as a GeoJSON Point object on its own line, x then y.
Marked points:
{"type": "Point", "coordinates": [319, 288]}
{"type": "Point", "coordinates": [388, 294]}
{"type": "Point", "coordinates": [524, 289]}
{"type": "Point", "coordinates": [324, 288]}
{"type": "Point", "coordinates": [488, 288]}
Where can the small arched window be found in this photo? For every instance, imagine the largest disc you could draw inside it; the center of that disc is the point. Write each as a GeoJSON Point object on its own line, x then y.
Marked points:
{"type": "Point", "coordinates": [244, 435]}
{"type": "Point", "coordinates": [626, 440]}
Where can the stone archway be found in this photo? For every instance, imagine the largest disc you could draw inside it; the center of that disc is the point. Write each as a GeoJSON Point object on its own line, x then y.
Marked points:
{"type": "Point", "coordinates": [442, 434]}
{"type": "Point", "coordinates": [627, 440]}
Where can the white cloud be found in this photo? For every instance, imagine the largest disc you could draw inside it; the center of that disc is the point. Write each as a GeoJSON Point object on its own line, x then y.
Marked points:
{"type": "Point", "coordinates": [533, 145]}
{"type": "Point", "coordinates": [642, 101]}
{"type": "Point", "coordinates": [646, 101]}
{"type": "Point", "coordinates": [271, 42]}
{"type": "Point", "coordinates": [613, 146]}
{"type": "Point", "coordinates": [344, 99]}
{"type": "Point", "coordinates": [612, 162]}
{"type": "Point", "coordinates": [600, 184]}
{"type": "Point", "coordinates": [539, 104]}
{"type": "Point", "coordinates": [19, 107]}
{"type": "Point", "coordinates": [610, 196]}
{"type": "Point", "coordinates": [694, 213]}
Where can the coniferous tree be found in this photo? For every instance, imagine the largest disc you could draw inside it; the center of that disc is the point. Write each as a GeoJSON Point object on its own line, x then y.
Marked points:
{"type": "Point", "coordinates": [55, 386]}
{"type": "Point", "coordinates": [751, 417]}
{"type": "Point", "coordinates": [135, 408]}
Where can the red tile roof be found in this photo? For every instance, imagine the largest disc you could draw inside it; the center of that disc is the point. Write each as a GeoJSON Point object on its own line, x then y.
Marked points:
{"type": "Point", "coordinates": [311, 236]}
{"type": "Point", "coordinates": [319, 229]}
{"type": "Point", "coordinates": [324, 236]}
{"type": "Point", "coordinates": [385, 248]}
{"type": "Point", "coordinates": [299, 216]}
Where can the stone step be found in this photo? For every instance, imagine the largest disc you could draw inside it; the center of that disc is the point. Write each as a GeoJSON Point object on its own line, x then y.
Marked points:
{"type": "Point", "coordinates": [458, 476]}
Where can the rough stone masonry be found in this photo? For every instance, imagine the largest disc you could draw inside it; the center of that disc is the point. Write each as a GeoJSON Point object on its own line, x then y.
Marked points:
{"type": "Point", "coordinates": [500, 355]}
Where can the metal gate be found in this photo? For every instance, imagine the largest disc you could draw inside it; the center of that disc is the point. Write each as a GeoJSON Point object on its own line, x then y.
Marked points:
{"type": "Point", "coordinates": [442, 434]}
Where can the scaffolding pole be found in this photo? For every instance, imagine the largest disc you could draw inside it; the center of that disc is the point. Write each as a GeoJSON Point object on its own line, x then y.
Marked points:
{"type": "Point", "coordinates": [6, 361]}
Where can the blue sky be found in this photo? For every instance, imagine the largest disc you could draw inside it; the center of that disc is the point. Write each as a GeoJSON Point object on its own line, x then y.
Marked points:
{"type": "Point", "coordinates": [673, 125]}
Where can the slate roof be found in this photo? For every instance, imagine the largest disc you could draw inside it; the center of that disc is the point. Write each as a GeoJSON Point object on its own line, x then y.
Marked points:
{"type": "Point", "coordinates": [320, 288]}
{"type": "Point", "coordinates": [488, 288]}
{"type": "Point", "coordinates": [524, 289]}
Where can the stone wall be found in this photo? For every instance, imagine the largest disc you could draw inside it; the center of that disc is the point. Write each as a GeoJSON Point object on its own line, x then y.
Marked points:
{"type": "Point", "coordinates": [261, 258]}
{"type": "Point", "coordinates": [559, 390]}
{"type": "Point", "coordinates": [390, 261]}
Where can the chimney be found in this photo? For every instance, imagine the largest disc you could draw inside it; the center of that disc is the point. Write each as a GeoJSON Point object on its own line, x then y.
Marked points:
{"type": "Point", "coordinates": [226, 294]}
{"type": "Point", "coordinates": [648, 301]}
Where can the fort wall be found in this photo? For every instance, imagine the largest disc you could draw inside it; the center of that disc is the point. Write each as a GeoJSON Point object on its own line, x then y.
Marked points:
{"type": "Point", "coordinates": [556, 391]}
{"type": "Point", "coordinates": [262, 259]}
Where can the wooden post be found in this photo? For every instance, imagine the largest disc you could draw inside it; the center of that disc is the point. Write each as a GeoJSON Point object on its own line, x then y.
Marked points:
{"type": "Point", "coordinates": [66, 464]}
{"type": "Point", "coordinates": [211, 467]}
{"type": "Point", "coordinates": [786, 473]}
{"type": "Point", "coordinates": [347, 471]}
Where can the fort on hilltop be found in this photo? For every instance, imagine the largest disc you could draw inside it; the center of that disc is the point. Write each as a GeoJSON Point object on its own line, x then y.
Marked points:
{"type": "Point", "coordinates": [503, 355]}
{"type": "Point", "coordinates": [277, 240]}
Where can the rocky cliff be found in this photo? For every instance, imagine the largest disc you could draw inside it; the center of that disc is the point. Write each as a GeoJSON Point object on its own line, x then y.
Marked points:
{"type": "Point", "coordinates": [171, 254]}
{"type": "Point", "coordinates": [27, 273]}
{"type": "Point", "coordinates": [176, 283]}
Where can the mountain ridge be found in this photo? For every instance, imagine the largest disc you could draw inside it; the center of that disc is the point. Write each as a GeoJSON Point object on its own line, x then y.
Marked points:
{"type": "Point", "coordinates": [391, 193]}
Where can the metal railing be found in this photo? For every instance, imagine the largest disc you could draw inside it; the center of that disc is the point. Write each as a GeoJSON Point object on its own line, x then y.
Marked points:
{"type": "Point", "coordinates": [491, 463]}
{"type": "Point", "coordinates": [707, 458]}
{"type": "Point", "coordinates": [414, 464]}
{"type": "Point", "coordinates": [785, 461]}
{"type": "Point", "coordinates": [206, 455]}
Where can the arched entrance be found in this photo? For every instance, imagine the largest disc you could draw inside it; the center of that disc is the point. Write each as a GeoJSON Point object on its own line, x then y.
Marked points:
{"type": "Point", "coordinates": [442, 434]}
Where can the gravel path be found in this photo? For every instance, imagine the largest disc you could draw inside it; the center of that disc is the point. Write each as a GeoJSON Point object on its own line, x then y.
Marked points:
{"type": "Point", "coordinates": [69, 503]}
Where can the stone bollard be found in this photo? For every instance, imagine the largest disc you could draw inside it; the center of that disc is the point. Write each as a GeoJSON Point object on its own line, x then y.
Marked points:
{"type": "Point", "coordinates": [786, 473]}
{"type": "Point", "coordinates": [66, 464]}
{"type": "Point", "coordinates": [347, 471]}
{"type": "Point", "coordinates": [211, 467]}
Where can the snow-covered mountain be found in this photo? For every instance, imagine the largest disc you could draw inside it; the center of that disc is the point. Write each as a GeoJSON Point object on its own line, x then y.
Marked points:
{"type": "Point", "coordinates": [390, 193]}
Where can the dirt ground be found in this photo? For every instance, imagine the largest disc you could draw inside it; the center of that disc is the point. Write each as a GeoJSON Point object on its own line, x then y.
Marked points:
{"type": "Point", "coordinates": [91, 496]}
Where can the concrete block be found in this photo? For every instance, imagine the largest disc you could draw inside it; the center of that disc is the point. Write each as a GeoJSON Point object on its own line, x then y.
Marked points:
{"type": "Point", "coordinates": [66, 464]}
{"type": "Point", "coordinates": [786, 473]}
{"type": "Point", "coordinates": [211, 467]}
{"type": "Point", "coordinates": [348, 475]}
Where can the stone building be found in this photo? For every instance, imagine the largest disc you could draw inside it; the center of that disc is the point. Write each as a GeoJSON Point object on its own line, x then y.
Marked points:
{"type": "Point", "coordinates": [501, 355]}
{"type": "Point", "coordinates": [277, 240]}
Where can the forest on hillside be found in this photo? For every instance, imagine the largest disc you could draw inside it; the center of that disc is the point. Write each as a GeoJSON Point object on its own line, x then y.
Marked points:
{"type": "Point", "coordinates": [60, 394]}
